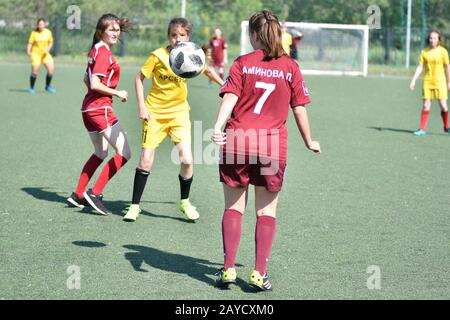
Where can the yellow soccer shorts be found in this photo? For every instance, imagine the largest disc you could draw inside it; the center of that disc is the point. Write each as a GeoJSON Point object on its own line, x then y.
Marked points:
{"type": "Point", "coordinates": [439, 92]}
{"type": "Point", "coordinates": [38, 59]}
{"type": "Point", "coordinates": [178, 128]}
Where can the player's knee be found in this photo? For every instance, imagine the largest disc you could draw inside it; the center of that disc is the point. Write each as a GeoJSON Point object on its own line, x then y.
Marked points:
{"type": "Point", "coordinates": [186, 160]}
{"type": "Point", "coordinates": [145, 164]}
{"type": "Point", "coordinates": [102, 154]}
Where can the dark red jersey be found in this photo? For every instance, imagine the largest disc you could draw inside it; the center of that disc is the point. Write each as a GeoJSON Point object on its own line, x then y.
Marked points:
{"type": "Point", "coordinates": [218, 46]}
{"type": "Point", "coordinates": [266, 89]}
{"type": "Point", "coordinates": [103, 64]}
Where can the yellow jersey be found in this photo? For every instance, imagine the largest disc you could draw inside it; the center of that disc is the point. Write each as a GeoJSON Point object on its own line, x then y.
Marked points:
{"type": "Point", "coordinates": [434, 61]}
{"type": "Point", "coordinates": [40, 41]}
{"type": "Point", "coordinates": [286, 41]}
{"type": "Point", "coordinates": [168, 93]}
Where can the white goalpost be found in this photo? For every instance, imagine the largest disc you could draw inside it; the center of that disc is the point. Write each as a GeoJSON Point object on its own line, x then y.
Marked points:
{"type": "Point", "coordinates": [326, 49]}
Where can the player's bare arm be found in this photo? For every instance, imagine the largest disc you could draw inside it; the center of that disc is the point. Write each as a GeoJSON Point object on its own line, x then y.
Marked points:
{"type": "Point", "coordinates": [416, 76]}
{"type": "Point", "coordinates": [226, 107]}
{"type": "Point", "coordinates": [97, 85]}
{"type": "Point", "coordinates": [301, 118]}
{"type": "Point", "coordinates": [211, 74]}
{"type": "Point", "coordinates": [139, 85]}
{"type": "Point", "coordinates": [447, 71]}
{"type": "Point", "coordinates": [29, 46]}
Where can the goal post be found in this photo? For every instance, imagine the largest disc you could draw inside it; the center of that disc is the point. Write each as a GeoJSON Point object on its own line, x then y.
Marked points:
{"type": "Point", "coordinates": [326, 49]}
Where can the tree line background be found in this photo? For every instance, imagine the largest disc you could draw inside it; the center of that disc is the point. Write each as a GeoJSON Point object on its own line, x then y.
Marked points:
{"type": "Point", "coordinates": [150, 18]}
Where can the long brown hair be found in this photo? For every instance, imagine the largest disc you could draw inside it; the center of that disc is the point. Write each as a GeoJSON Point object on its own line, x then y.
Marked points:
{"type": "Point", "coordinates": [37, 23]}
{"type": "Point", "coordinates": [104, 22]}
{"type": "Point", "coordinates": [183, 22]}
{"type": "Point", "coordinates": [268, 31]}
{"type": "Point", "coordinates": [439, 36]}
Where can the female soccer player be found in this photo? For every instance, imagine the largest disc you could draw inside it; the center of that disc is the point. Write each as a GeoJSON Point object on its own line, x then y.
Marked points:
{"type": "Point", "coordinates": [101, 78]}
{"type": "Point", "coordinates": [435, 86]}
{"type": "Point", "coordinates": [259, 89]}
{"type": "Point", "coordinates": [39, 45]}
{"type": "Point", "coordinates": [165, 112]}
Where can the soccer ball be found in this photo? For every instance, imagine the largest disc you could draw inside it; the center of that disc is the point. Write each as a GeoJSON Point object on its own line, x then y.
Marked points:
{"type": "Point", "coordinates": [187, 59]}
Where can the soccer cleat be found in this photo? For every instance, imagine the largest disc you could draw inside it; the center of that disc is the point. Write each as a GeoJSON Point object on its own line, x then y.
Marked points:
{"type": "Point", "coordinates": [420, 132]}
{"type": "Point", "coordinates": [189, 210]}
{"type": "Point", "coordinates": [132, 214]}
{"type": "Point", "coordinates": [259, 282]}
{"type": "Point", "coordinates": [225, 277]}
{"type": "Point", "coordinates": [96, 202]}
{"type": "Point", "coordinates": [31, 90]}
{"type": "Point", "coordinates": [75, 200]}
{"type": "Point", "coordinates": [50, 89]}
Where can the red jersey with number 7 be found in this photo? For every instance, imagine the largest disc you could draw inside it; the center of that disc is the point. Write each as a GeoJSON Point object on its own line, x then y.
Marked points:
{"type": "Point", "coordinates": [102, 64]}
{"type": "Point", "coordinates": [266, 90]}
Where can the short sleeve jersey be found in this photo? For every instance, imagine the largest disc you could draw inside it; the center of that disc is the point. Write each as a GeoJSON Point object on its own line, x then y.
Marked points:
{"type": "Point", "coordinates": [168, 93]}
{"type": "Point", "coordinates": [266, 89]}
{"type": "Point", "coordinates": [101, 63]}
{"type": "Point", "coordinates": [218, 47]}
{"type": "Point", "coordinates": [40, 41]}
{"type": "Point", "coordinates": [434, 61]}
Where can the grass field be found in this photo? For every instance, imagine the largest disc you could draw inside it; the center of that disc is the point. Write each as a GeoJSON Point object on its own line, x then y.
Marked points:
{"type": "Point", "coordinates": [377, 196]}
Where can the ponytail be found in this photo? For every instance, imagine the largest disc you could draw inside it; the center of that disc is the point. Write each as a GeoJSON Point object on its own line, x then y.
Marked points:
{"type": "Point", "coordinates": [268, 30]}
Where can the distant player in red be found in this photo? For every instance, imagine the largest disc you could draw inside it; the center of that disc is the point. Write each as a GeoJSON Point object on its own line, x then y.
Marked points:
{"type": "Point", "coordinates": [219, 51]}
{"type": "Point", "coordinates": [101, 78]}
{"type": "Point", "coordinates": [260, 89]}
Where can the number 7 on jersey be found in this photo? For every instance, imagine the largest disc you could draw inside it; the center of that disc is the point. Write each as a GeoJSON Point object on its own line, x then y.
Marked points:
{"type": "Point", "coordinates": [269, 88]}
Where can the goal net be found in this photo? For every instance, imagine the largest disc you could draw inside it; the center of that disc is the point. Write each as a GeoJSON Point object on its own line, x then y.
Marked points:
{"type": "Point", "coordinates": [325, 49]}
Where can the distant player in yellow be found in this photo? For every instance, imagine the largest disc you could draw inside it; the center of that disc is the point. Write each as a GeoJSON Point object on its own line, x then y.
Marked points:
{"type": "Point", "coordinates": [435, 85]}
{"type": "Point", "coordinates": [164, 113]}
{"type": "Point", "coordinates": [286, 39]}
{"type": "Point", "coordinates": [39, 45]}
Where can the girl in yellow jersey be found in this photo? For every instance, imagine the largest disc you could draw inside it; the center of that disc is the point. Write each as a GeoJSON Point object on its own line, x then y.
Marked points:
{"type": "Point", "coordinates": [39, 45]}
{"type": "Point", "coordinates": [435, 85]}
{"type": "Point", "coordinates": [164, 113]}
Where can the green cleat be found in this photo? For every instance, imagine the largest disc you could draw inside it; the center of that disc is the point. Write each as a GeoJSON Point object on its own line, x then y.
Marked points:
{"type": "Point", "coordinates": [260, 283]}
{"type": "Point", "coordinates": [189, 210]}
{"type": "Point", "coordinates": [132, 214]}
{"type": "Point", "coordinates": [420, 132]}
{"type": "Point", "coordinates": [225, 277]}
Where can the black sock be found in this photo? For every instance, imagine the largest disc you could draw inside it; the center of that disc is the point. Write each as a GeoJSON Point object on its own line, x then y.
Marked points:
{"type": "Point", "coordinates": [140, 179]}
{"type": "Point", "coordinates": [185, 186]}
{"type": "Point", "coordinates": [48, 80]}
{"type": "Point", "coordinates": [32, 80]}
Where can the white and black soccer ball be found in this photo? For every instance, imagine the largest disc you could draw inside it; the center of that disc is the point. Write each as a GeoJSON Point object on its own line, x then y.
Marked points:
{"type": "Point", "coordinates": [187, 59]}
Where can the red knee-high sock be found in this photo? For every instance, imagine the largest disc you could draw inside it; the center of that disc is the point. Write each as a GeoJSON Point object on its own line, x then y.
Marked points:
{"type": "Point", "coordinates": [444, 115]}
{"type": "Point", "coordinates": [231, 235]}
{"type": "Point", "coordinates": [86, 174]}
{"type": "Point", "coordinates": [264, 235]}
{"type": "Point", "coordinates": [424, 119]}
{"type": "Point", "coordinates": [108, 172]}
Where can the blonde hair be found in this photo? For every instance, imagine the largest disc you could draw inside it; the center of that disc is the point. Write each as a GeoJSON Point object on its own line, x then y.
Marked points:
{"type": "Point", "coordinates": [268, 30]}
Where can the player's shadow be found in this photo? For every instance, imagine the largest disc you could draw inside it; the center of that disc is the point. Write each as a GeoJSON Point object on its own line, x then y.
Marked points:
{"type": "Point", "coordinates": [117, 207]}
{"type": "Point", "coordinates": [89, 244]}
{"type": "Point", "coordinates": [199, 269]}
{"type": "Point", "coordinates": [392, 129]}
{"type": "Point", "coordinates": [18, 90]}
{"type": "Point", "coordinates": [406, 131]}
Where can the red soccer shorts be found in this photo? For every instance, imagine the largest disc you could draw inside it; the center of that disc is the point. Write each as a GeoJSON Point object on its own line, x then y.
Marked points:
{"type": "Point", "coordinates": [240, 171]}
{"type": "Point", "coordinates": [99, 119]}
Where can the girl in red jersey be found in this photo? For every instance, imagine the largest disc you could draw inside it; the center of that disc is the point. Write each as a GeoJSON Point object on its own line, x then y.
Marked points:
{"type": "Point", "coordinates": [101, 78]}
{"type": "Point", "coordinates": [257, 94]}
